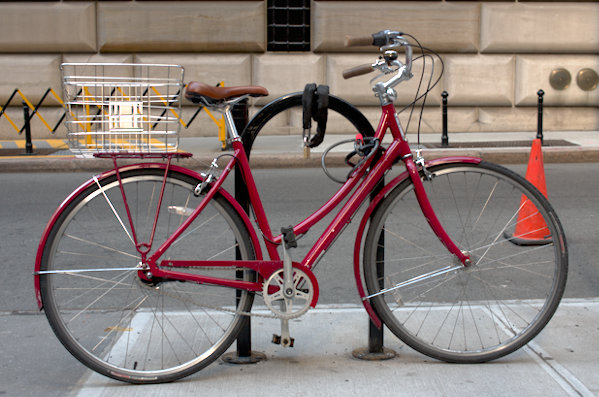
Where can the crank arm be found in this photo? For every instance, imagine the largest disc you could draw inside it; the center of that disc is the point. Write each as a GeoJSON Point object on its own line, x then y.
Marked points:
{"type": "Point", "coordinates": [284, 339]}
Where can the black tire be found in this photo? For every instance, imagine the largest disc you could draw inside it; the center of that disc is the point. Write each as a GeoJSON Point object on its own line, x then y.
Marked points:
{"type": "Point", "coordinates": [469, 314]}
{"type": "Point", "coordinates": [114, 322]}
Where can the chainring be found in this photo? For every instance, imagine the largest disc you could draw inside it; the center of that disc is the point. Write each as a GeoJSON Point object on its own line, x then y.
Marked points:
{"type": "Point", "coordinates": [287, 308]}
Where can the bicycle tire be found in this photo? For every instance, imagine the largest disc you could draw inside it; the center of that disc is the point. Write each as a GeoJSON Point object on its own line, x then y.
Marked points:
{"type": "Point", "coordinates": [473, 314]}
{"type": "Point", "coordinates": [115, 323]}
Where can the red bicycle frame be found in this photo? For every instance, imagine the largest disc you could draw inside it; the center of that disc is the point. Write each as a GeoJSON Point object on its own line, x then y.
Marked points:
{"type": "Point", "coordinates": [372, 174]}
{"type": "Point", "coordinates": [399, 148]}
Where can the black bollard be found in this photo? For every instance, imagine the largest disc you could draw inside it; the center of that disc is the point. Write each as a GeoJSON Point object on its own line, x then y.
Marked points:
{"type": "Point", "coordinates": [27, 127]}
{"type": "Point", "coordinates": [540, 93]}
{"type": "Point", "coordinates": [444, 136]}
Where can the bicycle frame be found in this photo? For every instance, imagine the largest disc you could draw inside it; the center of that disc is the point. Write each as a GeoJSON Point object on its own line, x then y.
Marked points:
{"type": "Point", "coordinates": [372, 174]}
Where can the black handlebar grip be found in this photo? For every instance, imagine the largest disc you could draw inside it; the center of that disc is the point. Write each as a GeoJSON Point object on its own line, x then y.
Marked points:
{"type": "Point", "coordinates": [357, 71]}
{"type": "Point", "coordinates": [379, 39]}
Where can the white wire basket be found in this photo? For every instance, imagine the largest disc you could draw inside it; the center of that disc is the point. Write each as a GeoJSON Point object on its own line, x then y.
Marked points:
{"type": "Point", "coordinates": [122, 108]}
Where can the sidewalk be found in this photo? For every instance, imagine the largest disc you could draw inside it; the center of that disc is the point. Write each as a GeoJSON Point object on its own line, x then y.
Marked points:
{"type": "Point", "coordinates": [562, 360]}
{"type": "Point", "coordinates": [287, 151]}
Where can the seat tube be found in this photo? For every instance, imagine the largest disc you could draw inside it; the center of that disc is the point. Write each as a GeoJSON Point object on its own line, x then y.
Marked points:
{"type": "Point", "coordinates": [254, 196]}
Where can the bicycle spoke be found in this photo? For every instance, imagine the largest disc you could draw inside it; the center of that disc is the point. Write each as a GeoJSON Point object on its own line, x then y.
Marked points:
{"type": "Point", "coordinates": [93, 302]}
{"type": "Point", "coordinates": [417, 279]}
{"type": "Point", "coordinates": [113, 209]}
{"type": "Point", "coordinates": [103, 246]}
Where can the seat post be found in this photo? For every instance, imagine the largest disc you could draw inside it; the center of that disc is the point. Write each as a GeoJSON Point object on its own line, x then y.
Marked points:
{"type": "Point", "coordinates": [230, 123]}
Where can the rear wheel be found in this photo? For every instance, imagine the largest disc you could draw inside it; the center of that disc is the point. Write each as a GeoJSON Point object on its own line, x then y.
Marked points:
{"type": "Point", "coordinates": [115, 322]}
{"type": "Point", "coordinates": [466, 314]}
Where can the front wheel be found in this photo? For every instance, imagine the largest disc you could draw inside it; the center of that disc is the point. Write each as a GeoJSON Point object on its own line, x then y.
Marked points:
{"type": "Point", "coordinates": [466, 314]}
{"type": "Point", "coordinates": [128, 327]}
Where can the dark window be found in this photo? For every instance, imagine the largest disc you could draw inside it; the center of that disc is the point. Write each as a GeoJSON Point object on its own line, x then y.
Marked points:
{"type": "Point", "coordinates": [288, 25]}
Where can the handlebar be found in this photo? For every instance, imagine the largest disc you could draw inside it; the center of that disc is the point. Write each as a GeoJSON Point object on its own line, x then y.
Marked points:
{"type": "Point", "coordinates": [388, 41]}
{"type": "Point", "coordinates": [351, 41]}
{"type": "Point", "coordinates": [378, 39]}
{"type": "Point", "coordinates": [358, 71]}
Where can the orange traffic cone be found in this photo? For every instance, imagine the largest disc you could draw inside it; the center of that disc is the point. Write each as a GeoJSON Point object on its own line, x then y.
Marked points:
{"type": "Point", "coordinates": [531, 228]}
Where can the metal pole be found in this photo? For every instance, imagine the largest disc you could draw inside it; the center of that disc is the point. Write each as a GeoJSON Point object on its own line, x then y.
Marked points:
{"type": "Point", "coordinates": [540, 93]}
{"type": "Point", "coordinates": [444, 136]}
{"type": "Point", "coordinates": [27, 128]}
{"type": "Point", "coordinates": [244, 353]}
{"type": "Point", "coordinates": [244, 339]}
{"type": "Point", "coordinates": [376, 349]}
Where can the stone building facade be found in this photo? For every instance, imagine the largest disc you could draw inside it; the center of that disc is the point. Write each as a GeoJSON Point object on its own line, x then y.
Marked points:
{"type": "Point", "coordinates": [497, 54]}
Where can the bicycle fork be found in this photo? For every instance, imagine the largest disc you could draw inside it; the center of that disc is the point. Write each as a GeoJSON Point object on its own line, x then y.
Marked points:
{"type": "Point", "coordinates": [429, 213]}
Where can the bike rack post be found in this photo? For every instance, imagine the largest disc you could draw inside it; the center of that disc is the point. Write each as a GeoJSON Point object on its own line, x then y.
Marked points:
{"type": "Point", "coordinates": [540, 94]}
{"type": "Point", "coordinates": [27, 128]}
{"type": "Point", "coordinates": [444, 136]}
{"type": "Point", "coordinates": [375, 349]}
{"type": "Point", "coordinates": [244, 353]}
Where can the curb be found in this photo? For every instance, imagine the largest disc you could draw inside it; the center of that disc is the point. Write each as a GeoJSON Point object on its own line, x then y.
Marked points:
{"type": "Point", "coordinates": [292, 160]}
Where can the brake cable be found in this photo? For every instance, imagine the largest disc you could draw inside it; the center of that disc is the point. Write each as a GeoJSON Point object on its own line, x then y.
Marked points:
{"type": "Point", "coordinates": [366, 149]}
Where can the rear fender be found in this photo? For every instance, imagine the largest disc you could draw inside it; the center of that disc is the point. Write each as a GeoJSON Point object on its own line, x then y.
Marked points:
{"type": "Point", "coordinates": [84, 186]}
{"type": "Point", "coordinates": [370, 210]}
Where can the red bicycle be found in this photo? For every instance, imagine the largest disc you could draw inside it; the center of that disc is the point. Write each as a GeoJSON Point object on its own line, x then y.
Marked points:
{"type": "Point", "coordinates": [147, 271]}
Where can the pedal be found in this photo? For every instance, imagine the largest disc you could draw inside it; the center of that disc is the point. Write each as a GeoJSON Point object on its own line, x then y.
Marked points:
{"type": "Point", "coordinates": [277, 340]}
{"type": "Point", "coordinates": [289, 237]}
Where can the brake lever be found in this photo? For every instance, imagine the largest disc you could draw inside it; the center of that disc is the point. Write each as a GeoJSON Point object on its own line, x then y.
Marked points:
{"type": "Point", "coordinates": [385, 69]}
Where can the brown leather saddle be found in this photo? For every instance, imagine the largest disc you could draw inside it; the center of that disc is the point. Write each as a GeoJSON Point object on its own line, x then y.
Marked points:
{"type": "Point", "coordinates": [195, 91]}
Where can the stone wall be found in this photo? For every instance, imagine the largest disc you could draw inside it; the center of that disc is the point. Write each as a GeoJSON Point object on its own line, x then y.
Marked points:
{"type": "Point", "coordinates": [497, 54]}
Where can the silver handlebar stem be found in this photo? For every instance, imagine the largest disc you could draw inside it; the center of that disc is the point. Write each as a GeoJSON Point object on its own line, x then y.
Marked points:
{"type": "Point", "coordinates": [384, 90]}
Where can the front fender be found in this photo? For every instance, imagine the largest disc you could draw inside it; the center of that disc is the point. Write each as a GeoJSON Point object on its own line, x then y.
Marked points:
{"type": "Point", "coordinates": [370, 210]}
{"type": "Point", "coordinates": [85, 185]}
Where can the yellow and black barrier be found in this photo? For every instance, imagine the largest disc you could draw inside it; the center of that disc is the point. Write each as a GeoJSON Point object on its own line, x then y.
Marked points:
{"type": "Point", "coordinates": [27, 107]}
{"type": "Point", "coordinates": [30, 110]}
{"type": "Point", "coordinates": [30, 107]}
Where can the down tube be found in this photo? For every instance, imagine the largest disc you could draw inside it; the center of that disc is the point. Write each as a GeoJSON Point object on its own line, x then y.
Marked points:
{"type": "Point", "coordinates": [344, 216]}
